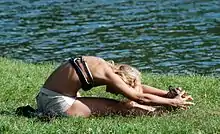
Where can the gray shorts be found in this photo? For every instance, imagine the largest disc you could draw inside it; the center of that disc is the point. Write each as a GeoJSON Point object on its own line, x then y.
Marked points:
{"type": "Point", "coordinates": [50, 101]}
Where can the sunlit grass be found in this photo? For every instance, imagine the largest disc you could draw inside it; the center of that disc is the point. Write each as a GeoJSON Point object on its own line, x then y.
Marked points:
{"type": "Point", "coordinates": [20, 82]}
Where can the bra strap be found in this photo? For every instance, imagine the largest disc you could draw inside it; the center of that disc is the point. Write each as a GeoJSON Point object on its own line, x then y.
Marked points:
{"type": "Point", "coordinates": [86, 85]}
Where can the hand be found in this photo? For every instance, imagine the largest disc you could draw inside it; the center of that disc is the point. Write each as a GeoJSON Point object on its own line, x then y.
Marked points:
{"type": "Point", "coordinates": [182, 100]}
{"type": "Point", "coordinates": [179, 90]}
{"type": "Point", "coordinates": [173, 92]}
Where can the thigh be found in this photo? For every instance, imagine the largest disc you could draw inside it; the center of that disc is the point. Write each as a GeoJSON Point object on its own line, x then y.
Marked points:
{"type": "Point", "coordinates": [87, 106]}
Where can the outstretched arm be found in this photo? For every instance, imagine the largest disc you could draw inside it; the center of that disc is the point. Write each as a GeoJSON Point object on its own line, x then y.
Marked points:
{"type": "Point", "coordinates": [155, 91]}
{"type": "Point", "coordinates": [149, 89]}
{"type": "Point", "coordinates": [154, 100]}
{"type": "Point", "coordinates": [178, 101]}
{"type": "Point", "coordinates": [116, 83]}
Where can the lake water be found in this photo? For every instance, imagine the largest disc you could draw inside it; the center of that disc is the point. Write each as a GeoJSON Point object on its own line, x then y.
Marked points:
{"type": "Point", "coordinates": [158, 36]}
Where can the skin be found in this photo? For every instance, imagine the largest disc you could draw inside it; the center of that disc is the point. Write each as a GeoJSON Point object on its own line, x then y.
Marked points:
{"type": "Point", "coordinates": [65, 80]}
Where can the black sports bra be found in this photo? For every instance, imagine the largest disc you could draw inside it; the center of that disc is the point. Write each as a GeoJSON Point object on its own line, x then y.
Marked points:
{"type": "Point", "coordinates": [87, 84]}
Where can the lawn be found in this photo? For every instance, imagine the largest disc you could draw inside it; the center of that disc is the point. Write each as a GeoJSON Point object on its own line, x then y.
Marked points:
{"type": "Point", "coordinates": [20, 82]}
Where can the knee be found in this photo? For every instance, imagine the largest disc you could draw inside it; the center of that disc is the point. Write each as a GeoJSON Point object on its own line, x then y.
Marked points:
{"type": "Point", "coordinates": [78, 113]}
{"type": "Point", "coordinates": [78, 110]}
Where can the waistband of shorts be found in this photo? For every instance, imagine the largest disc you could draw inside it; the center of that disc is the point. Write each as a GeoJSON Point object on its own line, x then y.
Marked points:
{"type": "Point", "coordinates": [50, 92]}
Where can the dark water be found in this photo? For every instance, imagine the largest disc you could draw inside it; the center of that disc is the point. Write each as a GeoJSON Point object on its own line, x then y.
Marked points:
{"type": "Point", "coordinates": [159, 36]}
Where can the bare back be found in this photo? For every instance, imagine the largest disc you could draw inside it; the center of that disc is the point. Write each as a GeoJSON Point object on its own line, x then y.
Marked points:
{"type": "Point", "coordinates": [65, 80]}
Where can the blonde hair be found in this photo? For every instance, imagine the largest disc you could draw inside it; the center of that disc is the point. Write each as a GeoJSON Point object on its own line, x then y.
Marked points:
{"type": "Point", "coordinates": [127, 73]}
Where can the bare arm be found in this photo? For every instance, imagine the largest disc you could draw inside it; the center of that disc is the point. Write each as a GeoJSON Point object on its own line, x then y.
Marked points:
{"type": "Point", "coordinates": [155, 91]}
{"type": "Point", "coordinates": [118, 84]}
{"type": "Point", "coordinates": [154, 100]}
{"type": "Point", "coordinates": [149, 89]}
{"type": "Point", "coordinates": [178, 101]}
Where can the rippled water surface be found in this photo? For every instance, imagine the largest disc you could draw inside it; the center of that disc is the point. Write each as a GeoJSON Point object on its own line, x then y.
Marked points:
{"type": "Point", "coordinates": [159, 36]}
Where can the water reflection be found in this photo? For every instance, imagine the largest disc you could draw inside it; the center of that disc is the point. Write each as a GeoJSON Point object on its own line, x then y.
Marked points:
{"type": "Point", "coordinates": [157, 36]}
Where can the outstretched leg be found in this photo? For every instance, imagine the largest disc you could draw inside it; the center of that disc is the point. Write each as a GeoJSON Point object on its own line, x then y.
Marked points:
{"type": "Point", "coordinates": [88, 106]}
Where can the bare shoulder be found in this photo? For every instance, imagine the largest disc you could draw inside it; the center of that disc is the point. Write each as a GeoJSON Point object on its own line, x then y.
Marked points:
{"type": "Point", "coordinates": [98, 67]}
{"type": "Point", "coordinates": [94, 61]}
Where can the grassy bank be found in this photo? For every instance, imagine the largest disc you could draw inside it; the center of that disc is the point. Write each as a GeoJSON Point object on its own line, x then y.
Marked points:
{"type": "Point", "coordinates": [19, 84]}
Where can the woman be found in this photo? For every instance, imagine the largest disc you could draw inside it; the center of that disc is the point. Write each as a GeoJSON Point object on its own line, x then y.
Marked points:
{"type": "Point", "coordinates": [59, 92]}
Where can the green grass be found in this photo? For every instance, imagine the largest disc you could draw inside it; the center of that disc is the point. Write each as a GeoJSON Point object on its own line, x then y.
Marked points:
{"type": "Point", "coordinates": [20, 82]}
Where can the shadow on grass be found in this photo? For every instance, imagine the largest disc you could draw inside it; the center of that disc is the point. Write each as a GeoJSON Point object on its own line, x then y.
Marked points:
{"type": "Point", "coordinates": [7, 113]}
{"type": "Point", "coordinates": [29, 112]}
